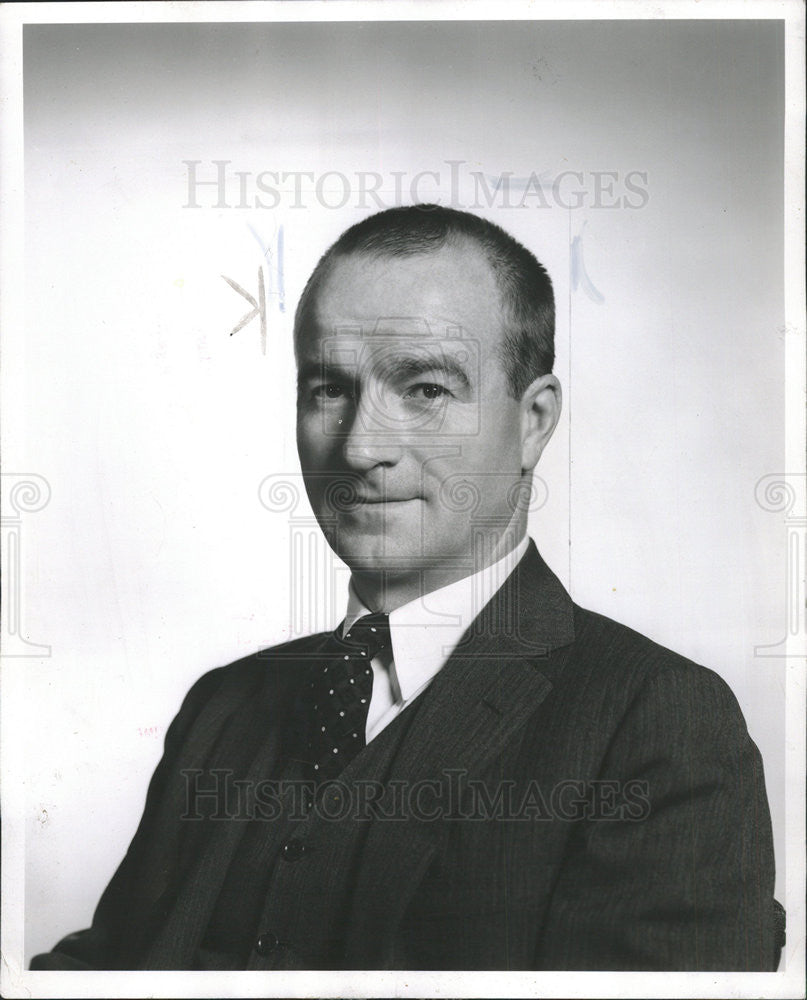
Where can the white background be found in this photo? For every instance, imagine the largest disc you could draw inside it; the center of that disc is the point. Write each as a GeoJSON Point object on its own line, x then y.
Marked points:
{"type": "Point", "coordinates": [155, 559]}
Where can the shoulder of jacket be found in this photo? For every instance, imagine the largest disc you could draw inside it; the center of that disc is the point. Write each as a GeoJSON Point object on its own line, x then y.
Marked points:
{"type": "Point", "coordinates": [638, 662]}
{"type": "Point", "coordinates": [274, 662]}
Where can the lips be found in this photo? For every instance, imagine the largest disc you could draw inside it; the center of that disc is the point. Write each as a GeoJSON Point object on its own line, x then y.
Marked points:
{"type": "Point", "coordinates": [381, 500]}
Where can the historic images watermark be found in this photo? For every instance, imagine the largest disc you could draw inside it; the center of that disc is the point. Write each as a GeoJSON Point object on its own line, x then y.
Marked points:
{"type": "Point", "coordinates": [785, 493]}
{"type": "Point", "coordinates": [219, 184]}
{"type": "Point", "coordinates": [22, 494]}
{"type": "Point", "coordinates": [217, 794]}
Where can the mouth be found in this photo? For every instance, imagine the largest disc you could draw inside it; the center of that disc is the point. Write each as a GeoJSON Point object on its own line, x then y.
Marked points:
{"type": "Point", "coordinates": [376, 501]}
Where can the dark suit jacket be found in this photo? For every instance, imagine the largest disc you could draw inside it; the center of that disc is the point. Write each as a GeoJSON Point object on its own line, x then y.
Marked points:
{"type": "Point", "coordinates": [608, 812]}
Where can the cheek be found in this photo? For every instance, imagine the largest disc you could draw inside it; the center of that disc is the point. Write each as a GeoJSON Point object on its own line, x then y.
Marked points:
{"type": "Point", "coordinates": [312, 444]}
{"type": "Point", "coordinates": [496, 448]}
{"type": "Point", "coordinates": [479, 477]}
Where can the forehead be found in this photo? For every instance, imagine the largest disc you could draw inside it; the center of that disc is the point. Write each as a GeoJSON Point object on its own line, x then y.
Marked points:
{"type": "Point", "coordinates": [448, 294]}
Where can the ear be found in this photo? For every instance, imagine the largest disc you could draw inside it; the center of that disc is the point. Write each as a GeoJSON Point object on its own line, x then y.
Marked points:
{"type": "Point", "coordinates": [540, 412]}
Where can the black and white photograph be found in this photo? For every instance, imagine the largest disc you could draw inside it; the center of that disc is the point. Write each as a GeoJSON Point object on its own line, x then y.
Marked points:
{"type": "Point", "coordinates": [404, 508]}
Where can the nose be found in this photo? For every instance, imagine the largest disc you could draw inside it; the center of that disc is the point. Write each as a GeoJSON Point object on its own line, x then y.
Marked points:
{"type": "Point", "coordinates": [370, 439]}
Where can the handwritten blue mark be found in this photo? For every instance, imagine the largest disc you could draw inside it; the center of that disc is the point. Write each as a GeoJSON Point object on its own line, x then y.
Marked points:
{"type": "Point", "coordinates": [281, 286]}
{"type": "Point", "coordinates": [275, 274]}
{"type": "Point", "coordinates": [579, 275]}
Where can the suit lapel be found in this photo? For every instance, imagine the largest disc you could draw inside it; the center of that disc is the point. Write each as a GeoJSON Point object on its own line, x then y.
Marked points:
{"type": "Point", "coordinates": [496, 678]}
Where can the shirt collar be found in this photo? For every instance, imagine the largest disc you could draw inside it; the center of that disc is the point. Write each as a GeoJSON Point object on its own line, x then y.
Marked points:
{"type": "Point", "coordinates": [426, 631]}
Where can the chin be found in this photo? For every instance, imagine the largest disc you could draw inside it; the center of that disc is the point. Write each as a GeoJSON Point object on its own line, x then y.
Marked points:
{"type": "Point", "coordinates": [379, 557]}
{"type": "Point", "coordinates": [400, 554]}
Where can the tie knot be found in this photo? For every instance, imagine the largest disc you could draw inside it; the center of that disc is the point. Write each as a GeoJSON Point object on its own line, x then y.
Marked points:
{"type": "Point", "coordinates": [369, 635]}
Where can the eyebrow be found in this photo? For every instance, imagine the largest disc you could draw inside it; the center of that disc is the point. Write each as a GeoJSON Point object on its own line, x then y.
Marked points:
{"type": "Point", "coordinates": [399, 364]}
{"type": "Point", "coordinates": [414, 365]}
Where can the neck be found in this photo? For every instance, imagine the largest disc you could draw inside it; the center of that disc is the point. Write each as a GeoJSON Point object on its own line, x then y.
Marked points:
{"type": "Point", "coordinates": [387, 590]}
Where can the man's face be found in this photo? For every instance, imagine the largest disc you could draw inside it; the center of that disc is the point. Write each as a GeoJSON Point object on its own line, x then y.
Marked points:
{"type": "Point", "coordinates": [409, 440]}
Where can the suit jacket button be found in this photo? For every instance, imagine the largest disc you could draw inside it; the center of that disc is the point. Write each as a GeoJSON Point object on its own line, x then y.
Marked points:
{"type": "Point", "coordinates": [293, 850]}
{"type": "Point", "coordinates": [266, 943]}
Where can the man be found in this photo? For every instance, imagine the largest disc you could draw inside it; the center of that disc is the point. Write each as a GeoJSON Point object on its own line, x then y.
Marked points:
{"type": "Point", "coordinates": [472, 772]}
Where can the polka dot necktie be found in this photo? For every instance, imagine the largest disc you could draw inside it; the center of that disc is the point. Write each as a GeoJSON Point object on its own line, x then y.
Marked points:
{"type": "Point", "coordinates": [340, 691]}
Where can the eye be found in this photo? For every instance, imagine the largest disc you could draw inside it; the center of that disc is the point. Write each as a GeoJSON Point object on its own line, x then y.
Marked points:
{"type": "Point", "coordinates": [330, 390]}
{"type": "Point", "coordinates": [427, 390]}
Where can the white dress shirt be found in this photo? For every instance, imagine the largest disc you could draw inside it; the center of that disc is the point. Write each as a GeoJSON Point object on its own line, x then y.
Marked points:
{"type": "Point", "coordinates": [423, 635]}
